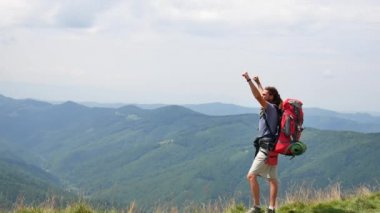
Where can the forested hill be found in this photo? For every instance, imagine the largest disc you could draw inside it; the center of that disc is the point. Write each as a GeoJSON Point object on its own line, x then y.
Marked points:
{"type": "Point", "coordinates": [168, 154]}
{"type": "Point", "coordinates": [316, 117]}
{"type": "Point", "coordinates": [20, 180]}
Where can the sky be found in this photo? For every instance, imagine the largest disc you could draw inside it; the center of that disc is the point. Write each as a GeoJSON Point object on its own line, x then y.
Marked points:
{"type": "Point", "coordinates": [325, 53]}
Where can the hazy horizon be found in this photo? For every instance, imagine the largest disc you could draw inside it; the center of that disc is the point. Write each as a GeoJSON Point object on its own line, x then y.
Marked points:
{"type": "Point", "coordinates": [191, 52]}
{"type": "Point", "coordinates": [158, 104]}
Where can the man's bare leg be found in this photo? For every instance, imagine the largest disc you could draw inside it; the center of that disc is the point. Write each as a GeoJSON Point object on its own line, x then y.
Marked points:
{"type": "Point", "coordinates": [255, 189]}
{"type": "Point", "coordinates": [273, 188]}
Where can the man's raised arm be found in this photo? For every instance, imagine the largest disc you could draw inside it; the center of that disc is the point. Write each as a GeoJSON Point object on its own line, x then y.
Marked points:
{"type": "Point", "coordinates": [256, 93]}
{"type": "Point", "coordinates": [259, 86]}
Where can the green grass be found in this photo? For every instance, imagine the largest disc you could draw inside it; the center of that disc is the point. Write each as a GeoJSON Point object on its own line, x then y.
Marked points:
{"type": "Point", "coordinates": [83, 207]}
{"type": "Point", "coordinates": [301, 198]}
{"type": "Point", "coordinates": [73, 208]}
{"type": "Point", "coordinates": [369, 203]}
{"type": "Point", "coordinates": [361, 202]}
{"type": "Point", "coordinates": [331, 200]}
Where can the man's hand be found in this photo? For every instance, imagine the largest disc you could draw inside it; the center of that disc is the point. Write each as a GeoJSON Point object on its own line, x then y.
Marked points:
{"type": "Point", "coordinates": [246, 76]}
{"type": "Point", "coordinates": [256, 79]}
{"type": "Point", "coordinates": [256, 92]}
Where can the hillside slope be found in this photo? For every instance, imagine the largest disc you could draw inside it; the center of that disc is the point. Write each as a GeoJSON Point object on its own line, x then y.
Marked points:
{"type": "Point", "coordinates": [171, 154]}
{"type": "Point", "coordinates": [26, 182]}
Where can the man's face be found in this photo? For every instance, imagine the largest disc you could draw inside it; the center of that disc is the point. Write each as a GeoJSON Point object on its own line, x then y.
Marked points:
{"type": "Point", "coordinates": [267, 96]}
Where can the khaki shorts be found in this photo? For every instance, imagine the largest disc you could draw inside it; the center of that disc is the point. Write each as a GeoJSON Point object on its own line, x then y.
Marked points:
{"type": "Point", "coordinates": [259, 167]}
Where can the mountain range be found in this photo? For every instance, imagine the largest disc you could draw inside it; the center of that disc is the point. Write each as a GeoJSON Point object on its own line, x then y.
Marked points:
{"type": "Point", "coordinates": [316, 117]}
{"type": "Point", "coordinates": [170, 154]}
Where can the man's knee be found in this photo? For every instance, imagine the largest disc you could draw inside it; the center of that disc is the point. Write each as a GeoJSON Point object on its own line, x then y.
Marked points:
{"type": "Point", "coordinates": [251, 176]}
{"type": "Point", "coordinates": [273, 181]}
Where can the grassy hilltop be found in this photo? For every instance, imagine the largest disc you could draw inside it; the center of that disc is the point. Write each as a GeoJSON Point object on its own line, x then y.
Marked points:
{"type": "Point", "coordinates": [300, 200]}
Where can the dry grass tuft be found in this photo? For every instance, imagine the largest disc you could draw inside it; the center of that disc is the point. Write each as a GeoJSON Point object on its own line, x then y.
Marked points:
{"type": "Point", "coordinates": [220, 205]}
{"type": "Point", "coordinates": [306, 193]}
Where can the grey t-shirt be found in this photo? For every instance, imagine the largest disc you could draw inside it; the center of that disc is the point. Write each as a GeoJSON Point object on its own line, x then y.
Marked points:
{"type": "Point", "coordinates": [272, 118]}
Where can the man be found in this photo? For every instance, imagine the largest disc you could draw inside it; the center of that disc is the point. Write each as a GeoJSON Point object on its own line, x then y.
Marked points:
{"type": "Point", "coordinates": [265, 161]}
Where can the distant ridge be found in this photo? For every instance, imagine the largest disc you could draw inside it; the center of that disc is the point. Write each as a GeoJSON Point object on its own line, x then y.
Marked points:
{"type": "Point", "coordinates": [314, 117]}
{"type": "Point", "coordinates": [221, 109]}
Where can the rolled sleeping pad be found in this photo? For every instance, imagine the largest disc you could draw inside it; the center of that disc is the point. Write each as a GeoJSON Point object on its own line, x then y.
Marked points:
{"type": "Point", "coordinates": [298, 148]}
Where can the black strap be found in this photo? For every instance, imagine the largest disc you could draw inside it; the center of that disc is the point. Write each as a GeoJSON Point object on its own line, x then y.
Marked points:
{"type": "Point", "coordinates": [296, 110]}
{"type": "Point", "coordinates": [266, 142]}
{"type": "Point", "coordinates": [256, 144]}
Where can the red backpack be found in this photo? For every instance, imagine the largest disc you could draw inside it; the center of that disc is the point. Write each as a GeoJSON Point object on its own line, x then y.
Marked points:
{"type": "Point", "coordinates": [290, 129]}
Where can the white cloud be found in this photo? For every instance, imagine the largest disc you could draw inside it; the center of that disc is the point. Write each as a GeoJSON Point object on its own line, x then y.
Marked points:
{"type": "Point", "coordinates": [251, 16]}
{"type": "Point", "coordinates": [45, 13]}
{"type": "Point", "coordinates": [13, 12]}
{"type": "Point", "coordinates": [255, 16]}
{"type": "Point", "coordinates": [328, 74]}
{"type": "Point", "coordinates": [191, 50]}
{"type": "Point", "coordinates": [83, 13]}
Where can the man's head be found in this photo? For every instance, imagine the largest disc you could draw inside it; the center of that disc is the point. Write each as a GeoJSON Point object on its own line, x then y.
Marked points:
{"type": "Point", "coordinates": [271, 95]}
